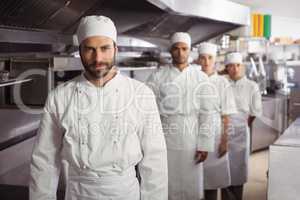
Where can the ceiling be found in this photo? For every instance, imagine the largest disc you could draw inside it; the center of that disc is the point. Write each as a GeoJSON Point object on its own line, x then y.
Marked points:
{"type": "Point", "coordinates": [53, 23]}
{"type": "Point", "coordinates": [287, 8]}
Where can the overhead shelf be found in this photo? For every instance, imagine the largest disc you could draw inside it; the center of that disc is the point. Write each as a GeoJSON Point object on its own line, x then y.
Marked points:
{"type": "Point", "coordinates": [13, 82]}
{"type": "Point", "coordinates": [136, 68]}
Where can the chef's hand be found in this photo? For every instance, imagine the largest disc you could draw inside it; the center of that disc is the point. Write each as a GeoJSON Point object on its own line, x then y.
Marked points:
{"type": "Point", "coordinates": [223, 146]}
{"type": "Point", "coordinates": [200, 156]}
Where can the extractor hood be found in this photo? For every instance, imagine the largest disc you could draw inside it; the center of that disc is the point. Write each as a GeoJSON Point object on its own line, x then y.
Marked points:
{"type": "Point", "coordinates": [53, 23]}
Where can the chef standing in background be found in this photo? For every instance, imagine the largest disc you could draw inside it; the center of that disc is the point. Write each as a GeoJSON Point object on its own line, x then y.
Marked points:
{"type": "Point", "coordinates": [98, 127]}
{"type": "Point", "coordinates": [216, 166]}
{"type": "Point", "coordinates": [249, 105]}
{"type": "Point", "coordinates": [187, 120]}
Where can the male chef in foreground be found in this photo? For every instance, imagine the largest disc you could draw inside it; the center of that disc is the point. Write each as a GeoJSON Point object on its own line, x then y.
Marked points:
{"type": "Point", "coordinates": [97, 127]}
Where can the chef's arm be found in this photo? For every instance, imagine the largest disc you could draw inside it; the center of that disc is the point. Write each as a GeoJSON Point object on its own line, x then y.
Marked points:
{"type": "Point", "coordinates": [152, 83]}
{"type": "Point", "coordinates": [223, 146]}
{"type": "Point", "coordinates": [250, 120]}
{"type": "Point", "coordinates": [255, 106]}
{"type": "Point", "coordinates": [225, 124]}
{"type": "Point", "coordinates": [45, 160]}
{"type": "Point", "coordinates": [205, 139]}
{"type": "Point", "coordinates": [206, 96]}
{"type": "Point", "coordinates": [153, 167]}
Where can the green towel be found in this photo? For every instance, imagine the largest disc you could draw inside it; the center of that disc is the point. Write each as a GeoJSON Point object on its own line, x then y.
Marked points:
{"type": "Point", "coordinates": [267, 26]}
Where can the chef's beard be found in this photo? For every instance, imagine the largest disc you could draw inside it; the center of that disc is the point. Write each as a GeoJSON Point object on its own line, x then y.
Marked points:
{"type": "Point", "coordinates": [95, 73]}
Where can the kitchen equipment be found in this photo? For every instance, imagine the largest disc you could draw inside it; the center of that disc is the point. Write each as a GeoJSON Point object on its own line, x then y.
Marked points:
{"type": "Point", "coordinates": [4, 75]}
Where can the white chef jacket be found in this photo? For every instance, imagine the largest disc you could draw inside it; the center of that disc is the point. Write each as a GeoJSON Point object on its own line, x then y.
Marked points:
{"type": "Point", "coordinates": [247, 96]}
{"type": "Point", "coordinates": [225, 101]}
{"type": "Point", "coordinates": [216, 170]}
{"type": "Point", "coordinates": [101, 133]}
{"type": "Point", "coordinates": [248, 102]}
{"type": "Point", "coordinates": [180, 93]}
{"type": "Point", "coordinates": [186, 104]}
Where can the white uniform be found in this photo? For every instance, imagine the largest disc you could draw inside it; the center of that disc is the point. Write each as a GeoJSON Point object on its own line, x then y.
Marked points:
{"type": "Point", "coordinates": [186, 122]}
{"type": "Point", "coordinates": [98, 136]}
{"type": "Point", "coordinates": [248, 102]}
{"type": "Point", "coordinates": [216, 170]}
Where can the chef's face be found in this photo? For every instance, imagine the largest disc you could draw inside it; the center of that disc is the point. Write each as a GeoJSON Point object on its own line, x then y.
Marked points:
{"type": "Point", "coordinates": [235, 70]}
{"type": "Point", "coordinates": [207, 62]}
{"type": "Point", "coordinates": [180, 53]}
{"type": "Point", "coordinates": [98, 55]}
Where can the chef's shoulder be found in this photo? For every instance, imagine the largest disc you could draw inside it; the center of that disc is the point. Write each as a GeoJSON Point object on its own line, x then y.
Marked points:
{"type": "Point", "coordinates": [222, 81]}
{"type": "Point", "coordinates": [60, 95]}
{"type": "Point", "coordinates": [66, 87]}
{"type": "Point", "coordinates": [194, 73]}
{"type": "Point", "coordinates": [160, 73]}
{"type": "Point", "coordinates": [251, 85]}
{"type": "Point", "coordinates": [137, 87]}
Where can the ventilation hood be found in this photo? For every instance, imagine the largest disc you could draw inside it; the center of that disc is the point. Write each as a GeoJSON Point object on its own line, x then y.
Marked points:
{"type": "Point", "coordinates": [45, 25]}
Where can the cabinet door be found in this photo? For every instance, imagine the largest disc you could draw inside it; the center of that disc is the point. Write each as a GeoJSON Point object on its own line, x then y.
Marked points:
{"type": "Point", "coordinates": [284, 165]}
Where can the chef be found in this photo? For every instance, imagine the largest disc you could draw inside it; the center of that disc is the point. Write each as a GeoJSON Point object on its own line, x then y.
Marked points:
{"type": "Point", "coordinates": [249, 105]}
{"type": "Point", "coordinates": [216, 166]}
{"type": "Point", "coordinates": [183, 92]}
{"type": "Point", "coordinates": [97, 127]}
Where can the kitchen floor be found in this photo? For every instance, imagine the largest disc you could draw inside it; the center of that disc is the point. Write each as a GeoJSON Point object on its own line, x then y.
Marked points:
{"type": "Point", "coordinates": [256, 188]}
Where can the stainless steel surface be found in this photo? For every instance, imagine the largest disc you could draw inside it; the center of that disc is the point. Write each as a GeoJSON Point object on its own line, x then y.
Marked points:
{"type": "Point", "coordinates": [43, 14]}
{"type": "Point", "coordinates": [268, 127]}
{"type": "Point", "coordinates": [294, 105]}
{"type": "Point", "coordinates": [15, 123]}
{"type": "Point", "coordinates": [34, 37]}
{"type": "Point", "coordinates": [284, 165]}
{"type": "Point", "coordinates": [291, 136]}
{"type": "Point", "coordinates": [201, 18]}
{"type": "Point", "coordinates": [13, 157]}
{"type": "Point", "coordinates": [54, 22]}
{"type": "Point", "coordinates": [218, 10]}
{"type": "Point", "coordinates": [13, 82]}
{"type": "Point", "coordinates": [4, 75]}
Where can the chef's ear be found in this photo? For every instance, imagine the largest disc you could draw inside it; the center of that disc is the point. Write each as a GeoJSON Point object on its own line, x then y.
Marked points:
{"type": "Point", "coordinates": [116, 48]}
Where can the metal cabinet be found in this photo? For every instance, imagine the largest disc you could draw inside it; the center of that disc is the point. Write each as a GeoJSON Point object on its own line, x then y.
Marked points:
{"type": "Point", "coordinates": [294, 105]}
{"type": "Point", "coordinates": [284, 165]}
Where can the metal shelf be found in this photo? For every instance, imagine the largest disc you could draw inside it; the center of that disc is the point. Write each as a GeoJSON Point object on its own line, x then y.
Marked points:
{"type": "Point", "coordinates": [136, 68]}
{"type": "Point", "coordinates": [13, 82]}
{"type": "Point", "coordinates": [119, 67]}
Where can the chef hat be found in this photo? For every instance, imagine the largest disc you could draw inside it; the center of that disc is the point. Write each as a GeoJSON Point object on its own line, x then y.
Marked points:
{"type": "Point", "coordinates": [207, 48]}
{"type": "Point", "coordinates": [96, 26]}
{"type": "Point", "coordinates": [234, 58]}
{"type": "Point", "coordinates": [181, 37]}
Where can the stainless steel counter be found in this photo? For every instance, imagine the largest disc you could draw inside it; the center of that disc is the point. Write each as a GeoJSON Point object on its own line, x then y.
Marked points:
{"type": "Point", "coordinates": [16, 126]}
{"type": "Point", "coordinates": [268, 127]}
{"type": "Point", "coordinates": [17, 135]}
{"type": "Point", "coordinates": [284, 165]}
